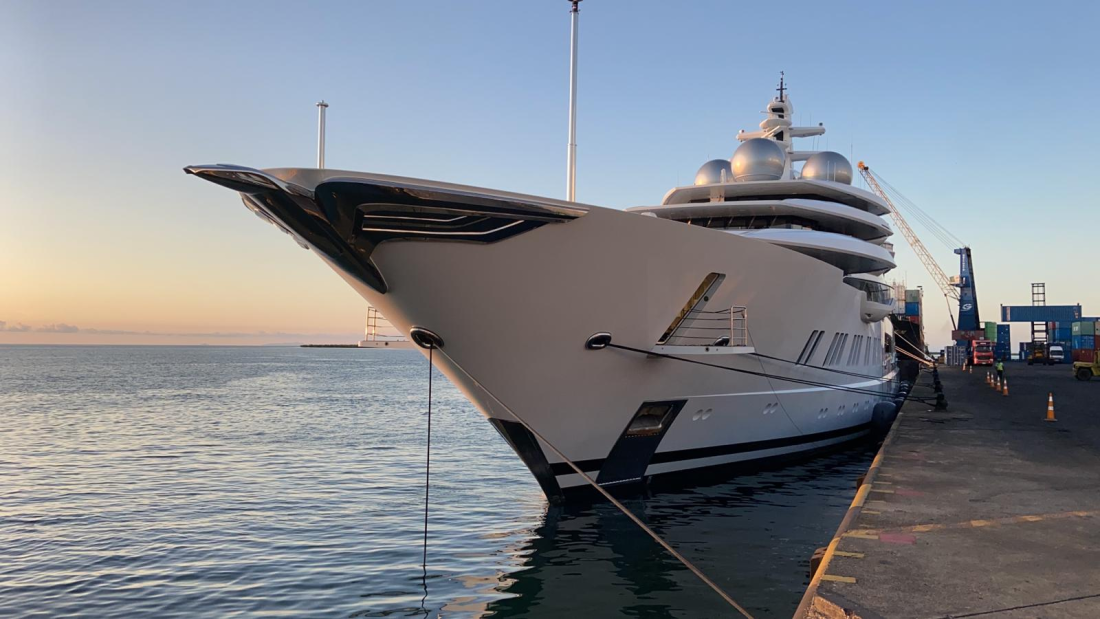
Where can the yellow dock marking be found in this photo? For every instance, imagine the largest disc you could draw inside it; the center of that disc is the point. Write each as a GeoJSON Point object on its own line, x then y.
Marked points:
{"type": "Point", "coordinates": [854, 555]}
{"type": "Point", "coordinates": [877, 503]}
{"type": "Point", "coordinates": [970, 524]}
{"type": "Point", "coordinates": [835, 578]}
{"type": "Point", "coordinates": [882, 490]}
{"type": "Point", "coordinates": [862, 533]}
{"type": "Point", "coordinates": [871, 511]}
{"type": "Point", "coordinates": [879, 482]}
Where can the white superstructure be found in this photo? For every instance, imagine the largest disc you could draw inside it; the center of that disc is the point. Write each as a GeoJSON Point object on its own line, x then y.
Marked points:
{"type": "Point", "coordinates": [744, 313]}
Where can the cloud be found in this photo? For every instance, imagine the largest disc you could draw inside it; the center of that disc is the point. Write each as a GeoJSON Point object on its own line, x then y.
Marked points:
{"type": "Point", "coordinates": [14, 328]}
{"type": "Point", "coordinates": [58, 328]}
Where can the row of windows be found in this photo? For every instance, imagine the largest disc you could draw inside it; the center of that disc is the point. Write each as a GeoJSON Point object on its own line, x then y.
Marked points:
{"type": "Point", "coordinates": [876, 292]}
{"type": "Point", "coordinates": [788, 222]}
{"type": "Point", "coordinates": [860, 352]}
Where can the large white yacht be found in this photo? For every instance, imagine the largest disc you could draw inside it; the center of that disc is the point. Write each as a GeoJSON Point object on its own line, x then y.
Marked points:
{"type": "Point", "coordinates": [739, 320]}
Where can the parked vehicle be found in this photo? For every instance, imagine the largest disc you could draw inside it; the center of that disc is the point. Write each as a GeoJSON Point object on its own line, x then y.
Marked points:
{"type": "Point", "coordinates": [1037, 353]}
{"type": "Point", "coordinates": [1085, 371]}
{"type": "Point", "coordinates": [981, 352]}
{"type": "Point", "coordinates": [1057, 353]}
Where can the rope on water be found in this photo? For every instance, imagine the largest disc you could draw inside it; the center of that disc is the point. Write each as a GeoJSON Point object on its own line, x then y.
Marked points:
{"type": "Point", "coordinates": [427, 481]}
{"type": "Point", "coordinates": [576, 469]}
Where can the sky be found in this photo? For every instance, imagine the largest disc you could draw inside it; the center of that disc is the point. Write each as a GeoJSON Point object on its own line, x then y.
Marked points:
{"type": "Point", "coordinates": [981, 113]}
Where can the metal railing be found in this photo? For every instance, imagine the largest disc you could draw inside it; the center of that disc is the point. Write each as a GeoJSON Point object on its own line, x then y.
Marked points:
{"type": "Point", "coordinates": [729, 327]}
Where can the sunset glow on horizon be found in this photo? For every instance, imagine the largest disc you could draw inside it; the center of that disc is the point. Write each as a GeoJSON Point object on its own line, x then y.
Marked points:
{"type": "Point", "coordinates": [104, 239]}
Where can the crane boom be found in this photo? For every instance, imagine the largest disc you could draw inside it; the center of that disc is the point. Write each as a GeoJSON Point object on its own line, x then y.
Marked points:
{"type": "Point", "coordinates": [941, 278]}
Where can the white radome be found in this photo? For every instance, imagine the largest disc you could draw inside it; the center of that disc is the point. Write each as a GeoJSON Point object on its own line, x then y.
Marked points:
{"type": "Point", "coordinates": [828, 166]}
{"type": "Point", "coordinates": [711, 172]}
{"type": "Point", "coordinates": [758, 159]}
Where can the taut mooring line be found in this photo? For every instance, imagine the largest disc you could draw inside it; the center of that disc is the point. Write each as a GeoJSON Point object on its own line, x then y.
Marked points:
{"type": "Point", "coordinates": [427, 484]}
{"type": "Point", "coordinates": [657, 538]}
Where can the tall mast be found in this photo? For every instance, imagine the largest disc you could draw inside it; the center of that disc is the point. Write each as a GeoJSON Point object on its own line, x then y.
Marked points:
{"type": "Point", "coordinates": [321, 106]}
{"type": "Point", "coordinates": [571, 159]}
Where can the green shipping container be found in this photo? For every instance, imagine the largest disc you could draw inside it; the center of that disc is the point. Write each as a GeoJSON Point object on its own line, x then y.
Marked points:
{"type": "Point", "coordinates": [991, 331]}
{"type": "Point", "coordinates": [1084, 327]}
{"type": "Point", "coordinates": [912, 296]}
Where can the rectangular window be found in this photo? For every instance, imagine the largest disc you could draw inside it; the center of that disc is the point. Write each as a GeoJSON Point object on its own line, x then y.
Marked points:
{"type": "Point", "coordinates": [813, 348]}
{"type": "Point", "coordinates": [840, 348]}
{"type": "Point", "coordinates": [802, 355]}
{"type": "Point", "coordinates": [832, 348]}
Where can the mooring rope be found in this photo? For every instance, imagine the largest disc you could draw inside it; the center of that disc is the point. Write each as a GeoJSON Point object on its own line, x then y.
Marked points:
{"type": "Point", "coordinates": [576, 469]}
{"type": "Point", "coordinates": [800, 381]}
{"type": "Point", "coordinates": [927, 357]}
{"type": "Point", "coordinates": [819, 367]}
{"type": "Point", "coordinates": [427, 480]}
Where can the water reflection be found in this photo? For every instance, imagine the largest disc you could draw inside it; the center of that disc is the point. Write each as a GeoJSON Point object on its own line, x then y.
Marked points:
{"type": "Point", "coordinates": [753, 535]}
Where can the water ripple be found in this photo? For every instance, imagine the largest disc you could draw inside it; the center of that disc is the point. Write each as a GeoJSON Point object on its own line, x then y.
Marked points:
{"type": "Point", "coordinates": [283, 481]}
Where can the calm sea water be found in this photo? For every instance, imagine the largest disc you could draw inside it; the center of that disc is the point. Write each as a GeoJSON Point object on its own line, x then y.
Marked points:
{"type": "Point", "coordinates": [286, 481]}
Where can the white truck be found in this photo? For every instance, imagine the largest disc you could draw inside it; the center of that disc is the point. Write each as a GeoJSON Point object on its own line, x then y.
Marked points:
{"type": "Point", "coordinates": [1057, 354]}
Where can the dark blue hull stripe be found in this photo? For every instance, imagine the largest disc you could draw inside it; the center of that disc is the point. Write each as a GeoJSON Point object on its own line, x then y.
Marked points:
{"type": "Point", "coordinates": [560, 468]}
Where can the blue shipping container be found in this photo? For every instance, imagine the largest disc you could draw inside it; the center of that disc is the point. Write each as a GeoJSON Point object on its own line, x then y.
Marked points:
{"type": "Point", "coordinates": [1040, 313]}
{"type": "Point", "coordinates": [912, 309]}
{"type": "Point", "coordinates": [1083, 342]}
{"type": "Point", "coordinates": [1003, 332]}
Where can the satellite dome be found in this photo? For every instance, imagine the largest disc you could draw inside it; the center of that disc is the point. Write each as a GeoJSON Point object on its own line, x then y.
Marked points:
{"type": "Point", "coordinates": [712, 172]}
{"type": "Point", "coordinates": [828, 166]}
{"type": "Point", "coordinates": [758, 159]}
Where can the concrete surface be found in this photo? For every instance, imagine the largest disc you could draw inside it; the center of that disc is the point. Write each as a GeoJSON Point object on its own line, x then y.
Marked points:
{"type": "Point", "coordinates": [984, 510]}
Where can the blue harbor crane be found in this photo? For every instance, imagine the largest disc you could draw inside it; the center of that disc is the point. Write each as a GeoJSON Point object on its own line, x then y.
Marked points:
{"type": "Point", "coordinates": [962, 288]}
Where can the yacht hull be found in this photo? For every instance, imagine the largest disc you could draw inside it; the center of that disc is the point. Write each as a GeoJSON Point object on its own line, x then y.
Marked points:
{"type": "Point", "coordinates": [514, 316]}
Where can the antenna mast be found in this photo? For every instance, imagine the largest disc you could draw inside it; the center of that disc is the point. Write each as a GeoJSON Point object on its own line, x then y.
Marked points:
{"type": "Point", "coordinates": [321, 106]}
{"type": "Point", "coordinates": [571, 159]}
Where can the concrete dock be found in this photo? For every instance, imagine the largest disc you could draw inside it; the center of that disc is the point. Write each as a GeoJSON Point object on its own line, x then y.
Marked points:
{"type": "Point", "coordinates": [984, 510]}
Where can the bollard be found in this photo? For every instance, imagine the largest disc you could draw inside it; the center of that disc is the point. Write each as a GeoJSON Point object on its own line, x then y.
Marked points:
{"type": "Point", "coordinates": [815, 560]}
{"type": "Point", "coordinates": [941, 402]}
{"type": "Point", "coordinates": [1004, 391]}
{"type": "Point", "coordinates": [1050, 408]}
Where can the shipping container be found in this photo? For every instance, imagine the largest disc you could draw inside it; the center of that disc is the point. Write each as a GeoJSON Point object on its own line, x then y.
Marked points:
{"type": "Point", "coordinates": [1084, 356]}
{"type": "Point", "coordinates": [967, 335]}
{"type": "Point", "coordinates": [991, 331]}
{"type": "Point", "coordinates": [912, 309]}
{"type": "Point", "coordinates": [1083, 327]}
{"type": "Point", "coordinates": [912, 296]}
{"type": "Point", "coordinates": [1083, 342]}
{"type": "Point", "coordinates": [1040, 313]}
{"type": "Point", "coordinates": [954, 355]}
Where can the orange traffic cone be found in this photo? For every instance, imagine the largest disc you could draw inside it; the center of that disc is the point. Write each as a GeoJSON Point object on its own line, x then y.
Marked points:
{"type": "Point", "coordinates": [971, 368]}
{"type": "Point", "coordinates": [997, 383]}
{"type": "Point", "coordinates": [1050, 408]}
{"type": "Point", "coordinates": [988, 378]}
{"type": "Point", "coordinates": [1004, 390]}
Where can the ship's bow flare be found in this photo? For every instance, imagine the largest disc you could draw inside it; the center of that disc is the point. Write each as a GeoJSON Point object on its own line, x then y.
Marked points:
{"type": "Point", "coordinates": [346, 215]}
